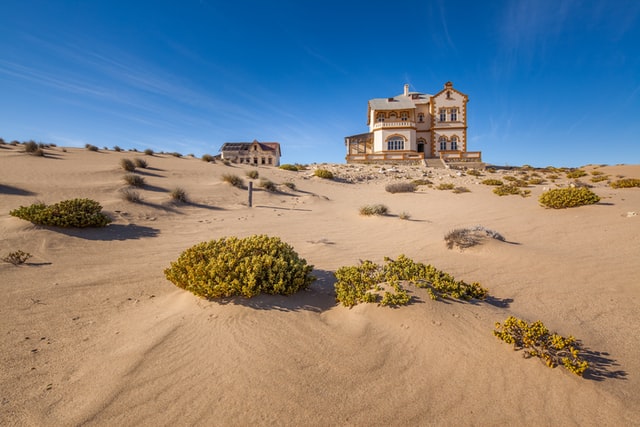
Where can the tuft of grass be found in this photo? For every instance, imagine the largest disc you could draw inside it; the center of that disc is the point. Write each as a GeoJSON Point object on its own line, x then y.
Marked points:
{"type": "Point", "coordinates": [130, 195]}
{"type": "Point", "coordinates": [148, 152]}
{"type": "Point", "coordinates": [417, 182]}
{"type": "Point", "coordinates": [128, 165]}
{"type": "Point", "coordinates": [252, 174]}
{"type": "Point", "coordinates": [578, 173]}
{"type": "Point", "coordinates": [30, 147]}
{"type": "Point", "coordinates": [134, 180]}
{"type": "Point", "coordinates": [290, 185]}
{"type": "Point", "coordinates": [267, 185]}
{"type": "Point", "coordinates": [178, 194]}
{"type": "Point", "coordinates": [474, 172]}
{"type": "Point", "coordinates": [445, 186]}
{"type": "Point", "coordinates": [289, 167]}
{"type": "Point", "coordinates": [140, 163]}
{"type": "Point", "coordinates": [404, 215]}
{"type": "Point", "coordinates": [234, 180]}
{"type": "Point", "coordinates": [17, 257]}
{"type": "Point", "coordinates": [91, 147]}
{"type": "Point", "coordinates": [467, 237]}
{"type": "Point", "coordinates": [400, 187]}
{"type": "Point", "coordinates": [459, 190]}
{"type": "Point", "coordinates": [208, 158]}
{"type": "Point", "coordinates": [599, 178]}
{"type": "Point", "coordinates": [377, 209]}
{"type": "Point", "coordinates": [323, 173]}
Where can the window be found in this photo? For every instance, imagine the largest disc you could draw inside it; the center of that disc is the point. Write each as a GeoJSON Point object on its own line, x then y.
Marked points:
{"type": "Point", "coordinates": [454, 114]}
{"type": "Point", "coordinates": [421, 117]}
{"type": "Point", "coordinates": [264, 161]}
{"type": "Point", "coordinates": [395, 143]}
{"type": "Point", "coordinates": [454, 142]}
{"type": "Point", "coordinates": [448, 94]}
{"type": "Point", "coordinates": [404, 116]}
{"type": "Point", "coordinates": [380, 117]}
{"type": "Point", "coordinates": [443, 115]}
{"type": "Point", "coordinates": [270, 160]}
{"type": "Point", "coordinates": [443, 143]}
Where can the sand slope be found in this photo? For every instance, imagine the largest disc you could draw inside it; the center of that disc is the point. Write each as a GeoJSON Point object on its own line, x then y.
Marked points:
{"type": "Point", "coordinates": [92, 333]}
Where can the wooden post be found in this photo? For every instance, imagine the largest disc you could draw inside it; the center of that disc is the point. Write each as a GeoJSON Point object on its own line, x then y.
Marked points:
{"type": "Point", "coordinates": [250, 193]}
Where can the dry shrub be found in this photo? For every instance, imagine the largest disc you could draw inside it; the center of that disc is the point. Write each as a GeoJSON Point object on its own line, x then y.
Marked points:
{"type": "Point", "coordinates": [234, 180]}
{"type": "Point", "coordinates": [17, 257]}
{"type": "Point", "coordinates": [467, 237]}
{"type": "Point", "coordinates": [208, 158]}
{"type": "Point", "coordinates": [128, 165]}
{"type": "Point", "coordinates": [401, 187]}
{"type": "Point", "coordinates": [134, 180]}
{"type": "Point", "coordinates": [140, 163]}
{"type": "Point", "coordinates": [492, 181]}
{"type": "Point", "coordinates": [459, 190]}
{"type": "Point", "coordinates": [130, 195]}
{"type": "Point", "coordinates": [178, 194]}
{"type": "Point", "coordinates": [626, 183]}
{"type": "Point", "coordinates": [445, 186]}
{"type": "Point", "coordinates": [253, 174]}
{"type": "Point", "coordinates": [377, 209]}
{"type": "Point", "coordinates": [323, 173]}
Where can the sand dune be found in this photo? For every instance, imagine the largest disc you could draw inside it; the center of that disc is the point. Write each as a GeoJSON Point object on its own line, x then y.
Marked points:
{"type": "Point", "coordinates": [93, 333]}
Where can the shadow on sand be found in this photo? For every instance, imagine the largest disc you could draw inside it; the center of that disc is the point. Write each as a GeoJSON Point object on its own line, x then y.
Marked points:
{"type": "Point", "coordinates": [601, 366]}
{"type": "Point", "coordinates": [15, 191]}
{"type": "Point", "coordinates": [110, 232]}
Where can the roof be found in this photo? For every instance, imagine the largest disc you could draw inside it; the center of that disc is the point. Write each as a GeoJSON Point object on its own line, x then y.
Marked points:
{"type": "Point", "coordinates": [245, 146]}
{"type": "Point", "coordinates": [400, 102]}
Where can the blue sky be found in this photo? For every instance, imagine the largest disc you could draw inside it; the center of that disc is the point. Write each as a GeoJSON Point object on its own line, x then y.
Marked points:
{"type": "Point", "coordinates": [550, 82]}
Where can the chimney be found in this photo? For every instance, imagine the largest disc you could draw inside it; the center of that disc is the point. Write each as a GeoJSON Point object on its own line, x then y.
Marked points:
{"type": "Point", "coordinates": [406, 90]}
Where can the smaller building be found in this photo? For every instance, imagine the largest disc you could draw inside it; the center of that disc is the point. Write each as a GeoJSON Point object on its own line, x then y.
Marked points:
{"type": "Point", "coordinates": [252, 153]}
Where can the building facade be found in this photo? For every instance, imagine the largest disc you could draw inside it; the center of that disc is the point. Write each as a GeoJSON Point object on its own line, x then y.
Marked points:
{"type": "Point", "coordinates": [412, 127]}
{"type": "Point", "coordinates": [253, 153]}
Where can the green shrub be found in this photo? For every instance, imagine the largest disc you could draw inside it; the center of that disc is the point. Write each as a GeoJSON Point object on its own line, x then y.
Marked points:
{"type": "Point", "coordinates": [400, 187]}
{"type": "Point", "coordinates": [208, 158]}
{"type": "Point", "coordinates": [626, 183]}
{"type": "Point", "coordinates": [377, 209]}
{"type": "Point", "coordinates": [78, 213]}
{"type": "Point", "coordinates": [16, 258]}
{"type": "Point", "coordinates": [323, 173]}
{"type": "Point", "coordinates": [240, 267]}
{"type": "Point", "coordinates": [148, 152]}
{"type": "Point", "coordinates": [364, 283]}
{"type": "Point", "coordinates": [130, 195]}
{"type": "Point", "coordinates": [578, 173]}
{"type": "Point", "coordinates": [289, 167]}
{"type": "Point", "coordinates": [134, 180]}
{"type": "Point", "coordinates": [536, 340]}
{"type": "Point", "coordinates": [599, 178]}
{"type": "Point", "coordinates": [492, 181]}
{"type": "Point", "coordinates": [252, 174]}
{"type": "Point", "coordinates": [417, 182]}
{"type": "Point", "coordinates": [128, 165]}
{"type": "Point", "coordinates": [596, 172]}
{"type": "Point", "coordinates": [467, 237]}
{"type": "Point", "coordinates": [507, 190]}
{"type": "Point", "coordinates": [234, 180]}
{"type": "Point", "coordinates": [561, 198]}
{"type": "Point", "coordinates": [140, 163]}
{"type": "Point", "coordinates": [179, 195]}
{"type": "Point", "coordinates": [445, 186]}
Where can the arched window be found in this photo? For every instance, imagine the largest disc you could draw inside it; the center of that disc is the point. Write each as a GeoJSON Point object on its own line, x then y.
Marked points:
{"type": "Point", "coordinates": [443, 143]}
{"type": "Point", "coordinates": [454, 142]}
{"type": "Point", "coordinates": [421, 143]}
{"type": "Point", "coordinates": [380, 117]}
{"type": "Point", "coordinates": [395, 143]}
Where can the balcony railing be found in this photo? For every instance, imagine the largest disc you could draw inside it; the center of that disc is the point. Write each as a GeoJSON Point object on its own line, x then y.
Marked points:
{"type": "Point", "coordinates": [388, 156]}
{"type": "Point", "coordinates": [461, 156]}
{"type": "Point", "coordinates": [405, 124]}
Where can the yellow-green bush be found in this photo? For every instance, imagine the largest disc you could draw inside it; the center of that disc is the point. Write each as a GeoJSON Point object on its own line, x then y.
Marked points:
{"type": "Point", "coordinates": [377, 209]}
{"type": "Point", "coordinates": [289, 167]}
{"type": "Point", "coordinates": [560, 198]}
{"type": "Point", "coordinates": [626, 183]}
{"type": "Point", "coordinates": [78, 213]}
{"type": "Point", "coordinates": [323, 173]}
{"type": "Point", "coordinates": [445, 186]}
{"type": "Point", "coordinates": [492, 181]}
{"type": "Point", "coordinates": [235, 266]}
{"type": "Point", "coordinates": [363, 283]}
{"type": "Point", "coordinates": [537, 341]}
{"type": "Point", "coordinates": [578, 173]}
{"type": "Point", "coordinates": [507, 190]}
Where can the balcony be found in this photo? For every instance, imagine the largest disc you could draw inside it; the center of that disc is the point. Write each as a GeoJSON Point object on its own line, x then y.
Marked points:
{"type": "Point", "coordinates": [386, 125]}
{"type": "Point", "coordinates": [386, 157]}
{"type": "Point", "coordinates": [461, 156]}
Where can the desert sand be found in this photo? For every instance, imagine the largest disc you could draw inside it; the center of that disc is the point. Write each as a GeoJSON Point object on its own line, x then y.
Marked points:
{"type": "Point", "coordinates": [93, 334]}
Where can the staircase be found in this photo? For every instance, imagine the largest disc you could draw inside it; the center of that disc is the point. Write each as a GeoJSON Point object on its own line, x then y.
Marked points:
{"type": "Point", "coordinates": [435, 163]}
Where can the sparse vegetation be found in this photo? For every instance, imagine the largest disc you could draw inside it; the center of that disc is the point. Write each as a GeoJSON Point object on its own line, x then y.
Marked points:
{"type": "Point", "coordinates": [17, 257]}
{"type": "Point", "coordinates": [458, 190]}
{"type": "Point", "coordinates": [116, 148]}
{"type": "Point", "coordinates": [536, 340]}
{"type": "Point", "coordinates": [290, 185]}
{"type": "Point", "coordinates": [289, 167]}
{"type": "Point", "coordinates": [267, 185]}
{"type": "Point", "coordinates": [128, 165]}
{"type": "Point", "coordinates": [417, 182]}
{"type": "Point", "coordinates": [561, 198]}
{"type": "Point", "coordinates": [510, 189]}
{"type": "Point", "coordinates": [140, 163]}
{"type": "Point", "coordinates": [599, 178]}
{"type": "Point", "coordinates": [130, 195]}
{"type": "Point", "coordinates": [91, 147]}
{"type": "Point", "coordinates": [377, 209]}
{"type": "Point", "coordinates": [30, 147]}
{"type": "Point", "coordinates": [366, 282]}
{"type": "Point", "coordinates": [323, 173]}
{"type": "Point", "coordinates": [148, 152]}
{"type": "Point", "coordinates": [208, 158]}
{"type": "Point", "coordinates": [253, 174]}
{"type": "Point", "coordinates": [474, 172]}
{"type": "Point", "coordinates": [234, 180]}
{"type": "Point", "coordinates": [492, 181]}
{"type": "Point", "coordinates": [176, 154]}
{"type": "Point", "coordinates": [626, 183]}
{"type": "Point", "coordinates": [577, 173]}
{"type": "Point", "coordinates": [467, 237]}
{"type": "Point", "coordinates": [179, 195]}
{"type": "Point", "coordinates": [400, 187]}
{"type": "Point", "coordinates": [134, 180]}
{"type": "Point", "coordinates": [445, 186]}
{"type": "Point", "coordinates": [77, 213]}
{"type": "Point", "coordinates": [404, 215]}
{"type": "Point", "coordinates": [536, 181]}
{"type": "Point", "coordinates": [245, 267]}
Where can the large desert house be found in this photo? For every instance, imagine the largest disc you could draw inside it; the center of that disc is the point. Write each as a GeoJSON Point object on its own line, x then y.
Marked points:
{"type": "Point", "coordinates": [254, 153]}
{"type": "Point", "coordinates": [414, 127]}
